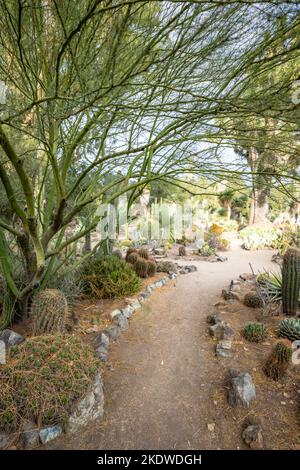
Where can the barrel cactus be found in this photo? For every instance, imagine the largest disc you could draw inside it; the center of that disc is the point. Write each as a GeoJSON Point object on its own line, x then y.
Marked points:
{"type": "Point", "coordinates": [143, 253]}
{"type": "Point", "coordinates": [132, 258]}
{"type": "Point", "coordinates": [49, 311]}
{"type": "Point", "coordinates": [182, 251]}
{"type": "Point", "coordinates": [129, 252]}
{"type": "Point", "coordinates": [278, 361]}
{"type": "Point", "coordinates": [254, 332]}
{"type": "Point", "coordinates": [290, 328]}
{"type": "Point", "coordinates": [290, 281]}
{"type": "Point", "coordinates": [141, 267]}
{"type": "Point", "coordinates": [151, 267]}
{"type": "Point", "coordinates": [253, 300]}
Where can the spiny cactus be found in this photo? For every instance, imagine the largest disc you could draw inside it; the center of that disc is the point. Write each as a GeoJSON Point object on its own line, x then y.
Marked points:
{"type": "Point", "coordinates": [141, 267]}
{"type": "Point", "coordinates": [49, 310]}
{"type": "Point", "coordinates": [182, 251]}
{"type": "Point", "coordinates": [278, 361]}
{"type": "Point", "coordinates": [254, 332]}
{"type": "Point", "coordinates": [132, 258]}
{"type": "Point", "coordinates": [129, 251]}
{"type": "Point", "coordinates": [253, 300]}
{"type": "Point", "coordinates": [290, 281]}
{"type": "Point", "coordinates": [151, 267]}
{"type": "Point", "coordinates": [290, 328]}
{"type": "Point", "coordinates": [143, 253]}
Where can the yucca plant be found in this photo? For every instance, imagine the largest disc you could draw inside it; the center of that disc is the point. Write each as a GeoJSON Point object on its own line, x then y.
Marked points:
{"type": "Point", "coordinates": [270, 284]}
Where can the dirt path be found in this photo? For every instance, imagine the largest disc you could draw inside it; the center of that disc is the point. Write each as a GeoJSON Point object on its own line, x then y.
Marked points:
{"type": "Point", "coordinates": [161, 391]}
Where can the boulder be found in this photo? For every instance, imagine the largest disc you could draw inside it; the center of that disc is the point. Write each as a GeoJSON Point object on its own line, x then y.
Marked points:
{"type": "Point", "coordinates": [242, 389]}
{"type": "Point", "coordinates": [50, 433]}
{"type": "Point", "coordinates": [11, 338]}
{"type": "Point", "coordinates": [102, 353]}
{"type": "Point", "coordinates": [253, 437]}
{"type": "Point", "coordinates": [223, 348]}
{"type": "Point", "coordinates": [114, 313]}
{"type": "Point", "coordinates": [29, 438]}
{"type": "Point", "coordinates": [167, 267]}
{"type": "Point", "coordinates": [217, 330]}
{"type": "Point", "coordinates": [4, 440]}
{"type": "Point", "coordinates": [113, 332]}
{"type": "Point", "coordinates": [127, 311]}
{"type": "Point", "coordinates": [213, 319]}
{"type": "Point", "coordinates": [121, 321]}
{"type": "Point", "coordinates": [102, 340]}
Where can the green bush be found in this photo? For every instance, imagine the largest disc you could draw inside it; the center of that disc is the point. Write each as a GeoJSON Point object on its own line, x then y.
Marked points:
{"type": "Point", "coordinates": [43, 378]}
{"type": "Point", "coordinates": [108, 277]}
{"type": "Point", "coordinates": [254, 332]}
{"type": "Point", "coordinates": [207, 250]}
{"type": "Point", "coordinates": [255, 238]}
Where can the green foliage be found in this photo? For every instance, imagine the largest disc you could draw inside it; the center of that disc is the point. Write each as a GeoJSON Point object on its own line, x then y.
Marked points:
{"type": "Point", "coordinates": [48, 312]}
{"type": "Point", "coordinates": [278, 361]}
{"type": "Point", "coordinates": [206, 250]}
{"type": "Point", "coordinates": [288, 236]}
{"type": "Point", "coordinates": [270, 285]}
{"type": "Point", "coordinates": [290, 328]}
{"type": "Point", "coordinates": [256, 238]}
{"type": "Point", "coordinates": [290, 281]}
{"type": "Point", "coordinates": [255, 332]}
{"type": "Point", "coordinates": [43, 378]}
{"type": "Point", "coordinates": [108, 277]}
{"type": "Point", "coordinates": [253, 300]}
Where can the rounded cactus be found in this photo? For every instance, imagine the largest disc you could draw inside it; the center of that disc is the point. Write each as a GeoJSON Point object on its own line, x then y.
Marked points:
{"type": "Point", "coordinates": [254, 332]}
{"type": "Point", "coordinates": [290, 328]}
{"type": "Point", "coordinates": [143, 253]}
{"type": "Point", "coordinates": [182, 251]}
{"type": "Point", "coordinates": [49, 311]}
{"type": "Point", "coordinates": [151, 267]}
{"type": "Point", "coordinates": [290, 281]}
{"type": "Point", "coordinates": [253, 300]}
{"type": "Point", "coordinates": [132, 258]}
{"type": "Point", "coordinates": [141, 267]}
{"type": "Point", "coordinates": [129, 252]}
{"type": "Point", "coordinates": [278, 361]}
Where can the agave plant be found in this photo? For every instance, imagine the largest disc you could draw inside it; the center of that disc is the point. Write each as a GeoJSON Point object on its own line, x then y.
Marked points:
{"type": "Point", "coordinates": [270, 284]}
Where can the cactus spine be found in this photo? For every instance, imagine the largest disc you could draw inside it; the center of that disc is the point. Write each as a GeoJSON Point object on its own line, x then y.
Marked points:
{"type": "Point", "coordinates": [49, 312]}
{"type": "Point", "coordinates": [141, 267]}
{"type": "Point", "coordinates": [290, 281]}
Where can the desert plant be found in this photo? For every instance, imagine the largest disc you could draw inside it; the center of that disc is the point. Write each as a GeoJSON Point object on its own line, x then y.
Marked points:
{"type": "Point", "coordinates": [254, 332]}
{"type": "Point", "coordinates": [278, 361]}
{"type": "Point", "coordinates": [48, 312]}
{"type": "Point", "coordinates": [182, 251]}
{"type": "Point", "coordinates": [117, 253]}
{"type": "Point", "coordinates": [141, 267]}
{"type": "Point", "coordinates": [290, 328]}
{"type": "Point", "coordinates": [43, 378]}
{"type": "Point", "coordinates": [108, 277]}
{"type": "Point", "coordinates": [151, 267]}
{"type": "Point", "coordinates": [206, 250]}
{"type": "Point", "coordinates": [216, 229]}
{"type": "Point", "coordinates": [130, 251]}
{"type": "Point", "coordinates": [253, 300]}
{"type": "Point", "coordinates": [290, 281]}
{"type": "Point", "coordinates": [132, 258]}
{"type": "Point", "coordinates": [255, 238]}
{"type": "Point", "coordinates": [143, 253]}
{"type": "Point", "coordinates": [270, 284]}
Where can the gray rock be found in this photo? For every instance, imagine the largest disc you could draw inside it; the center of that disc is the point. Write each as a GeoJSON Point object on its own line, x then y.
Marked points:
{"type": "Point", "coordinates": [190, 268]}
{"type": "Point", "coordinates": [102, 340]}
{"type": "Point", "coordinates": [29, 435]}
{"type": "Point", "coordinates": [11, 338]}
{"type": "Point", "coordinates": [217, 330]}
{"type": "Point", "coordinates": [172, 275]}
{"type": "Point", "coordinates": [183, 271]}
{"type": "Point", "coordinates": [222, 258]}
{"type": "Point", "coordinates": [143, 296]}
{"type": "Point", "coordinates": [213, 319]}
{"type": "Point", "coordinates": [159, 251]}
{"type": "Point", "coordinates": [127, 311]}
{"type": "Point", "coordinates": [90, 408]}
{"type": "Point", "coordinates": [121, 321]}
{"type": "Point", "coordinates": [4, 440]}
{"type": "Point", "coordinates": [50, 433]}
{"type": "Point", "coordinates": [113, 331]}
{"type": "Point", "coordinates": [167, 267]}
{"type": "Point", "coordinates": [135, 305]}
{"type": "Point", "coordinates": [253, 437]}
{"type": "Point", "coordinates": [102, 353]}
{"type": "Point", "coordinates": [242, 389]}
{"type": "Point", "coordinates": [228, 332]}
{"type": "Point", "coordinates": [158, 284]}
{"type": "Point", "coordinates": [222, 352]}
{"type": "Point", "coordinates": [114, 313]}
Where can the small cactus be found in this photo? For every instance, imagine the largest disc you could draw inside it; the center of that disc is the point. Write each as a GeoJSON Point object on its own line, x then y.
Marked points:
{"type": "Point", "coordinates": [182, 251]}
{"type": "Point", "coordinates": [253, 300]}
{"type": "Point", "coordinates": [290, 328]}
{"type": "Point", "coordinates": [151, 267]}
{"type": "Point", "coordinates": [290, 281]}
{"type": "Point", "coordinates": [132, 258]}
{"type": "Point", "coordinates": [278, 361]}
{"type": "Point", "coordinates": [129, 251]}
{"type": "Point", "coordinates": [143, 253]}
{"type": "Point", "coordinates": [254, 332]}
{"type": "Point", "coordinates": [49, 310]}
{"type": "Point", "coordinates": [141, 267]}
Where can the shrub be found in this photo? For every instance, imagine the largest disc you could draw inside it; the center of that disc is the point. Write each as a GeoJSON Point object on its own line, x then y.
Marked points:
{"type": "Point", "coordinates": [278, 361]}
{"type": "Point", "coordinates": [43, 378]}
{"type": "Point", "coordinates": [216, 229]}
{"type": "Point", "coordinates": [109, 277]}
{"type": "Point", "coordinates": [254, 332]}
{"type": "Point", "coordinates": [206, 250]}
{"type": "Point", "coordinates": [253, 300]}
{"type": "Point", "coordinates": [255, 238]}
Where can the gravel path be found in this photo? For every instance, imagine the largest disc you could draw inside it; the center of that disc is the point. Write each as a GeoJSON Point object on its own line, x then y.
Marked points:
{"type": "Point", "coordinates": [159, 393]}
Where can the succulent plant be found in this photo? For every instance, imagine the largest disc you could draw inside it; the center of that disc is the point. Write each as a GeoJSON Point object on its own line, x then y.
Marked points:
{"type": "Point", "coordinates": [290, 328]}
{"type": "Point", "coordinates": [141, 267]}
{"type": "Point", "coordinates": [182, 251]}
{"type": "Point", "coordinates": [254, 332]}
{"type": "Point", "coordinates": [132, 258]}
{"type": "Point", "coordinates": [129, 252]}
{"type": "Point", "coordinates": [49, 310]}
{"type": "Point", "coordinates": [253, 300]}
{"type": "Point", "coordinates": [290, 281]}
{"type": "Point", "coordinates": [143, 253]}
{"type": "Point", "coordinates": [151, 267]}
{"type": "Point", "coordinates": [278, 361]}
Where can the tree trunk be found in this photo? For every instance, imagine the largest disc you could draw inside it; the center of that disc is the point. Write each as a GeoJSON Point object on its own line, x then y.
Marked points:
{"type": "Point", "coordinates": [259, 207]}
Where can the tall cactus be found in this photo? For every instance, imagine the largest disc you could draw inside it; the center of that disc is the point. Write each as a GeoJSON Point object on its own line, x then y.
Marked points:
{"type": "Point", "coordinates": [290, 281]}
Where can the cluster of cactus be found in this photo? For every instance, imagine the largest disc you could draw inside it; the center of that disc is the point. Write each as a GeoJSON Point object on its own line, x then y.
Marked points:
{"type": "Point", "coordinates": [290, 281]}
{"type": "Point", "coordinates": [143, 265]}
{"type": "Point", "coordinates": [48, 312]}
{"type": "Point", "coordinates": [278, 361]}
{"type": "Point", "coordinates": [254, 332]}
{"type": "Point", "coordinates": [290, 328]}
{"type": "Point", "coordinates": [253, 300]}
{"type": "Point", "coordinates": [182, 251]}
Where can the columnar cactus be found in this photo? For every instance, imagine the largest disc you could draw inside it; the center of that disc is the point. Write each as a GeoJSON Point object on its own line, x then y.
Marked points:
{"type": "Point", "coordinates": [290, 281]}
